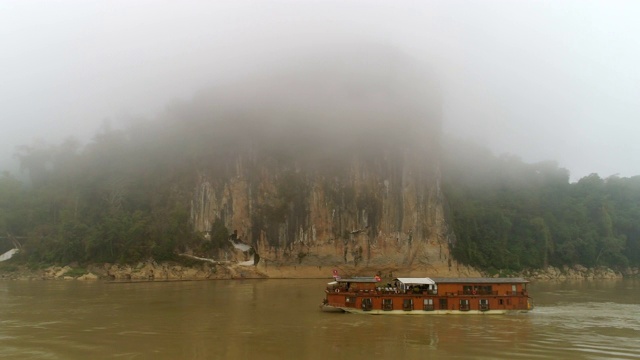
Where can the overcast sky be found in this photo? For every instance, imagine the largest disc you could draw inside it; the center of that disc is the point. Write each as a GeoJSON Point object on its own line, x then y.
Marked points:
{"type": "Point", "coordinates": [544, 80]}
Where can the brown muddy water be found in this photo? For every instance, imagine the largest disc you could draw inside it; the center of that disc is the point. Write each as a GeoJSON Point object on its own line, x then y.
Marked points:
{"type": "Point", "coordinates": [279, 319]}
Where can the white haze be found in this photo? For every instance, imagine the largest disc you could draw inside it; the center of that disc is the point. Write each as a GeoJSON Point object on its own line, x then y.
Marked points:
{"type": "Point", "coordinates": [544, 80]}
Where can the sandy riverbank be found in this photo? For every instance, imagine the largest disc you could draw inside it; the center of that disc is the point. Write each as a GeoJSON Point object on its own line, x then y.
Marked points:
{"type": "Point", "coordinates": [153, 271]}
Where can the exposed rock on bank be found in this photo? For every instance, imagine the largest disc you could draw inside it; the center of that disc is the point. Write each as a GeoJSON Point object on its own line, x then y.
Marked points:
{"type": "Point", "coordinates": [153, 271]}
{"type": "Point", "coordinates": [577, 272]}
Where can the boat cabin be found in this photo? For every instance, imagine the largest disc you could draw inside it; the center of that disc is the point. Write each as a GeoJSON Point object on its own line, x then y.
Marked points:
{"type": "Point", "coordinates": [436, 295]}
{"type": "Point", "coordinates": [416, 285]}
{"type": "Point", "coordinates": [356, 284]}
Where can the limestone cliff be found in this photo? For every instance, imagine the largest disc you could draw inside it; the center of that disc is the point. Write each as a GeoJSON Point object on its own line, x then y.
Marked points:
{"type": "Point", "coordinates": [377, 212]}
{"type": "Point", "coordinates": [332, 166]}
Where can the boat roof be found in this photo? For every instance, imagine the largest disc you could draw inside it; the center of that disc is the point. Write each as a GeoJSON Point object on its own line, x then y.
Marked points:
{"type": "Point", "coordinates": [366, 279]}
{"type": "Point", "coordinates": [439, 280]}
{"type": "Point", "coordinates": [420, 281]}
{"type": "Point", "coordinates": [481, 280]}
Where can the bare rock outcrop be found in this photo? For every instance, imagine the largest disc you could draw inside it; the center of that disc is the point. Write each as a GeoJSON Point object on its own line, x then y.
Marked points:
{"type": "Point", "coordinates": [572, 273]}
{"type": "Point", "coordinates": [335, 165]}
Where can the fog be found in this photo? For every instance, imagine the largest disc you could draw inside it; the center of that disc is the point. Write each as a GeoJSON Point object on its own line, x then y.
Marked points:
{"type": "Point", "coordinates": [543, 80]}
{"type": "Point", "coordinates": [330, 100]}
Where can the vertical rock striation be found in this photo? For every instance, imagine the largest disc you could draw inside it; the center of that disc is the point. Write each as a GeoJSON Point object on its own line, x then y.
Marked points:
{"type": "Point", "coordinates": [330, 165]}
{"type": "Point", "coordinates": [376, 212]}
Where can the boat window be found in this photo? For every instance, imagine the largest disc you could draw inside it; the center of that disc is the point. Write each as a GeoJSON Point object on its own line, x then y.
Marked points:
{"type": "Point", "coordinates": [475, 289]}
{"type": "Point", "coordinates": [464, 305]}
{"type": "Point", "coordinates": [367, 304]}
{"type": "Point", "coordinates": [443, 304]}
{"type": "Point", "coordinates": [407, 304]}
{"type": "Point", "coordinates": [427, 305]}
{"type": "Point", "coordinates": [387, 304]}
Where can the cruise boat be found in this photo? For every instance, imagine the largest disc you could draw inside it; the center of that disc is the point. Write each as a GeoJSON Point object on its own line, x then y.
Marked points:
{"type": "Point", "coordinates": [426, 296]}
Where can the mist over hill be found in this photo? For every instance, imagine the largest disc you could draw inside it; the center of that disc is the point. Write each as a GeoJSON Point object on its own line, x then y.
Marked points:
{"type": "Point", "coordinates": [333, 158]}
{"type": "Point", "coordinates": [508, 214]}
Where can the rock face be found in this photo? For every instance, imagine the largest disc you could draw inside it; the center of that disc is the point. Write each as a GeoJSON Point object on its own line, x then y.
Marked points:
{"type": "Point", "coordinates": [385, 212]}
{"type": "Point", "coordinates": [343, 173]}
{"type": "Point", "coordinates": [575, 272]}
{"type": "Point", "coordinates": [152, 271]}
{"type": "Point", "coordinates": [362, 218]}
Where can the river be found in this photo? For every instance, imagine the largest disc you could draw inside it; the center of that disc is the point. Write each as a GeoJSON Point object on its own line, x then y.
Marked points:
{"type": "Point", "coordinates": [279, 319]}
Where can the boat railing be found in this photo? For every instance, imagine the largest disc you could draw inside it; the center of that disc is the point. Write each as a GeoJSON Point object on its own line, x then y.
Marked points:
{"type": "Point", "coordinates": [515, 293]}
{"type": "Point", "coordinates": [387, 290]}
{"type": "Point", "coordinates": [477, 292]}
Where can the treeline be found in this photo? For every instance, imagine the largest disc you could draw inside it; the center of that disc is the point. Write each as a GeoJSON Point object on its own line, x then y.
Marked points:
{"type": "Point", "coordinates": [510, 215]}
{"type": "Point", "coordinates": [126, 196]}
{"type": "Point", "coordinates": [121, 198]}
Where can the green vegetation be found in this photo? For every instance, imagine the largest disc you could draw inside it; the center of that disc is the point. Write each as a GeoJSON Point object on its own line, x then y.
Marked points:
{"type": "Point", "coordinates": [508, 215]}
{"type": "Point", "coordinates": [76, 272]}
{"type": "Point", "coordinates": [119, 199]}
{"type": "Point", "coordinates": [8, 268]}
{"type": "Point", "coordinates": [125, 197]}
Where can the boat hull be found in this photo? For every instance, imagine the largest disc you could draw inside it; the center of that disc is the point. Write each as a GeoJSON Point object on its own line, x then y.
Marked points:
{"type": "Point", "coordinates": [329, 308]}
{"type": "Point", "coordinates": [427, 296]}
{"type": "Point", "coordinates": [433, 312]}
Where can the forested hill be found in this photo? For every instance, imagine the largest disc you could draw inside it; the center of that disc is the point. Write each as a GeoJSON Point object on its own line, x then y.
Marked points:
{"type": "Point", "coordinates": [337, 163]}
{"type": "Point", "coordinates": [330, 163]}
{"type": "Point", "coordinates": [505, 213]}
{"type": "Point", "coordinates": [508, 214]}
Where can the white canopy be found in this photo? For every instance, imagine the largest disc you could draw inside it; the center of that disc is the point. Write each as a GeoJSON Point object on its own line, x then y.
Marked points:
{"type": "Point", "coordinates": [8, 255]}
{"type": "Point", "coordinates": [418, 281]}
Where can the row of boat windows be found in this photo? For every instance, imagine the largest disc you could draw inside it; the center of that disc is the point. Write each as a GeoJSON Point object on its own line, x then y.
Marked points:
{"type": "Point", "coordinates": [466, 289]}
{"type": "Point", "coordinates": [477, 289]}
{"type": "Point", "coordinates": [427, 304]}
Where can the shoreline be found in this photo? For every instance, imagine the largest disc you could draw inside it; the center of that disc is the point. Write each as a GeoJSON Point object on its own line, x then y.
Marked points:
{"type": "Point", "coordinates": [152, 271]}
